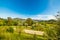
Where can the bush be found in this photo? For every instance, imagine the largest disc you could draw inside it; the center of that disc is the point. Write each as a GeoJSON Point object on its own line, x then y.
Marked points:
{"type": "Point", "coordinates": [10, 29]}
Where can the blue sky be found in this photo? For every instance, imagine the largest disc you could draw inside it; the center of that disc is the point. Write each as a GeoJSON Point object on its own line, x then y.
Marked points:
{"type": "Point", "coordinates": [35, 9]}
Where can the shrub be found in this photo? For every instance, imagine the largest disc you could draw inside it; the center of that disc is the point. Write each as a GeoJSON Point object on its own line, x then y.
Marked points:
{"type": "Point", "coordinates": [10, 29]}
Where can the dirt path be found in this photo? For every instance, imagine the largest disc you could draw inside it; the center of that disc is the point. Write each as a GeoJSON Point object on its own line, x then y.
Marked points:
{"type": "Point", "coordinates": [33, 32]}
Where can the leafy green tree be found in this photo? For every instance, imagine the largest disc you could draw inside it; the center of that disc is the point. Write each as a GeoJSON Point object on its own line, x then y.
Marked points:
{"type": "Point", "coordinates": [26, 24]}
{"type": "Point", "coordinates": [2, 22]}
{"type": "Point", "coordinates": [17, 22]}
{"type": "Point", "coordinates": [53, 33]}
{"type": "Point", "coordinates": [51, 21]}
{"type": "Point", "coordinates": [29, 21]}
{"type": "Point", "coordinates": [58, 25]}
{"type": "Point", "coordinates": [9, 21]}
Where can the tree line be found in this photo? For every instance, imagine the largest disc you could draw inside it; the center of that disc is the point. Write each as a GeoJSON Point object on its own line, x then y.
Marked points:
{"type": "Point", "coordinates": [22, 22]}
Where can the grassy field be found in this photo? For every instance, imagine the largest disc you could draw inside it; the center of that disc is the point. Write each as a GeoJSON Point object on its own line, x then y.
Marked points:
{"type": "Point", "coordinates": [16, 33]}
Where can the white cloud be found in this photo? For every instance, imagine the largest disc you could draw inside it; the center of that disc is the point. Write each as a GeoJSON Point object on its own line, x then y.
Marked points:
{"type": "Point", "coordinates": [4, 13]}
{"type": "Point", "coordinates": [43, 17]}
